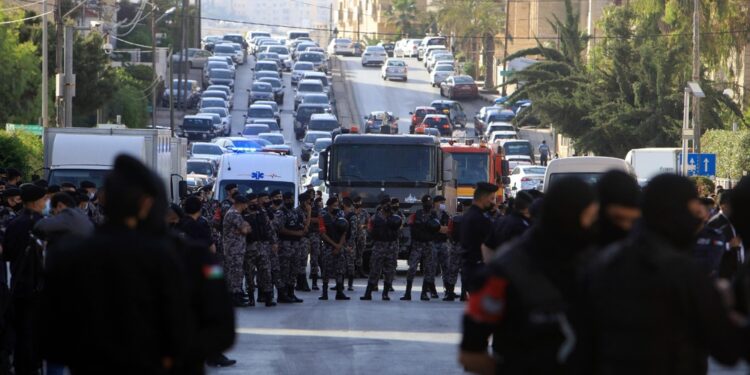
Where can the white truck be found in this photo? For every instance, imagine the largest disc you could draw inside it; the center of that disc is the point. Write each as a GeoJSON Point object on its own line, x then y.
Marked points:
{"type": "Point", "coordinates": [77, 154]}
{"type": "Point", "coordinates": [650, 162]}
{"type": "Point", "coordinates": [256, 172]}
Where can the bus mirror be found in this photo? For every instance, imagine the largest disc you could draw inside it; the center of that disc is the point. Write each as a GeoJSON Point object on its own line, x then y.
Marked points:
{"type": "Point", "coordinates": [323, 164]}
{"type": "Point", "coordinates": [183, 189]}
{"type": "Point", "coordinates": [506, 168]}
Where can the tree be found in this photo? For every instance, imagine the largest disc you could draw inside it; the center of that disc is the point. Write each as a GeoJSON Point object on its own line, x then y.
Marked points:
{"type": "Point", "coordinates": [21, 150]}
{"type": "Point", "coordinates": [95, 79]}
{"type": "Point", "coordinates": [20, 76]}
{"type": "Point", "coordinates": [130, 99]}
{"type": "Point", "coordinates": [402, 13]}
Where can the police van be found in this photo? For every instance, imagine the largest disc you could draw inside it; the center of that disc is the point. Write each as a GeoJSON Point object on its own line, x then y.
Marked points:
{"type": "Point", "coordinates": [256, 172]}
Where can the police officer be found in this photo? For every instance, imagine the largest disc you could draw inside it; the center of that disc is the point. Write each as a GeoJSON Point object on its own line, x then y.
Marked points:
{"type": "Point", "coordinates": [362, 218]}
{"type": "Point", "coordinates": [733, 259]}
{"type": "Point", "coordinates": [333, 227]}
{"type": "Point", "coordinates": [440, 246]}
{"type": "Point", "coordinates": [619, 207]}
{"type": "Point", "coordinates": [94, 212]}
{"type": "Point", "coordinates": [351, 240]}
{"type": "Point", "coordinates": [24, 252]}
{"type": "Point", "coordinates": [393, 261]}
{"type": "Point", "coordinates": [383, 227]}
{"type": "Point", "coordinates": [258, 255]}
{"type": "Point", "coordinates": [711, 243]}
{"type": "Point", "coordinates": [508, 227]}
{"type": "Point", "coordinates": [424, 226]}
{"type": "Point", "coordinates": [11, 205]}
{"type": "Point", "coordinates": [313, 237]}
{"type": "Point", "coordinates": [65, 220]}
{"type": "Point", "coordinates": [524, 295]}
{"type": "Point", "coordinates": [12, 178]}
{"type": "Point", "coordinates": [234, 232]}
{"type": "Point", "coordinates": [455, 259]}
{"type": "Point", "coordinates": [475, 227]}
{"type": "Point", "coordinates": [303, 211]}
{"type": "Point", "coordinates": [291, 226]}
{"type": "Point", "coordinates": [274, 202]}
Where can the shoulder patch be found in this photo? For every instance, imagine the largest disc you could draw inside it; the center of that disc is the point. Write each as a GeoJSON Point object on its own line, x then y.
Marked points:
{"type": "Point", "coordinates": [487, 305]}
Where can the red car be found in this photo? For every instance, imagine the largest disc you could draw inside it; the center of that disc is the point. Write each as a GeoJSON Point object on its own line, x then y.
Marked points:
{"type": "Point", "coordinates": [418, 116]}
{"type": "Point", "coordinates": [455, 87]}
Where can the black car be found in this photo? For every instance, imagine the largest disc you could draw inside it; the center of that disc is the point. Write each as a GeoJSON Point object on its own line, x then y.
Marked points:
{"type": "Point", "coordinates": [453, 109]}
{"type": "Point", "coordinates": [260, 91]}
{"type": "Point", "coordinates": [277, 87]}
{"type": "Point", "coordinates": [388, 47]}
{"type": "Point", "coordinates": [381, 122]}
{"type": "Point", "coordinates": [302, 116]}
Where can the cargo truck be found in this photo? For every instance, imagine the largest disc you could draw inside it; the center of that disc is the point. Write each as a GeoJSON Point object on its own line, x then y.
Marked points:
{"type": "Point", "coordinates": [650, 162]}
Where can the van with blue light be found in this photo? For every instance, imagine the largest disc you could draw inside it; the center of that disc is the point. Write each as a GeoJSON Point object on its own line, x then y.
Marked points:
{"type": "Point", "coordinates": [256, 172]}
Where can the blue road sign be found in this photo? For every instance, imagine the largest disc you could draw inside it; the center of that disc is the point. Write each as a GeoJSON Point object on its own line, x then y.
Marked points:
{"type": "Point", "coordinates": [699, 164]}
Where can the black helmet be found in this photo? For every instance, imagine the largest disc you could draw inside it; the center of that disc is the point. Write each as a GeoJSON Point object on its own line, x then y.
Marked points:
{"type": "Point", "coordinates": [341, 224]}
{"type": "Point", "coordinates": [433, 225]}
{"type": "Point", "coordinates": [394, 222]}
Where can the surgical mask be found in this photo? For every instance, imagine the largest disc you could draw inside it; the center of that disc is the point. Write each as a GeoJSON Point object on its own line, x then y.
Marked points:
{"type": "Point", "coordinates": [47, 208]}
{"type": "Point", "coordinates": [442, 206]}
{"type": "Point", "coordinates": [91, 195]}
{"type": "Point", "coordinates": [277, 202]}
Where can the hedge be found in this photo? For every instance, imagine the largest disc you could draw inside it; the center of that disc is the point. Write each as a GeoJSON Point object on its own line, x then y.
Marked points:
{"type": "Point", "coordinates": [732, 151]}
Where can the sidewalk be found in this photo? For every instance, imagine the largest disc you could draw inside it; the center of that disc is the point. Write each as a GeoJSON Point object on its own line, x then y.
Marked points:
{"type": "Point", "coordinates": [346, 110]}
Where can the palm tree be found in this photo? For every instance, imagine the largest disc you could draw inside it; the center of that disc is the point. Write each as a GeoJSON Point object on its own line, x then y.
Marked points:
{"type": "Point", "coordinates": [401, 13]}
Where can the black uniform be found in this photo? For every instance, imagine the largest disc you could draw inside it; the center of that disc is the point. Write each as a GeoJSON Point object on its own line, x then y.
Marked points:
{"type": "Point", "coordinates": [475, 228]}
{"type": "Point", "coordinates": [506, 229]}
{"type": "Point", "coordinates": [709, 248]}
{"type": "Point", "coordinates": [197, 230]}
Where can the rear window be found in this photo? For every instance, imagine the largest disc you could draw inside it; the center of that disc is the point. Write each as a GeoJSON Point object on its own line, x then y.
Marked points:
{"type": "Point", "coordinates": [223, 49]}
{"type": "Point", "coordinates": [211, 102]}
{"type": "Point", "coordinates": [299, 66]}
{"type": "Point", "coordinates": [316, 99]}
{"type": "Point", "coordinates": [260, 112]}
{"type": "Point", "coordinates": [207, 150]}
{"type": "Point", "coordinates": [263, 87]}
{"type": "Point", "coordinates": [344, 41]}
{"type": "Point", "coordinates": [197, 121]}
{"type": "Point", "coordinates": [220, 74]}
{"type": "Point", "coordinates": [304, 113]}
{"type": "Point", "coordinates": [463, 80]}
{"type": "Point", "coordinates": [311, 57]}
{"type": "Point", "coordinates": [266, 66]}
{"type": "Point", "coordinates": [279, 50]}
{"type": "Point", "coordinates": [396, 63]}
{"type": "Point", "coordinates": [436, 42]}
{"type": "Point", "coordinates": [517, 148]}
{"type": "Point", "coordinates": [323, 125]}
{"type": "Point", "coordinates": [255, 130]}
{"type": "Point", "coordinates": [443, 68]}
{"type": "Point", "coordinates": [272, 82]}
{"type": "Point", "coordinates": [323, 79]}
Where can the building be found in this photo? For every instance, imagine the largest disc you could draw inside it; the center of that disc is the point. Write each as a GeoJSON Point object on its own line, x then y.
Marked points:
{"type": "Point", "coordinates": [279, 16]}
{"type": "Point", "coordinates": [357, 19]}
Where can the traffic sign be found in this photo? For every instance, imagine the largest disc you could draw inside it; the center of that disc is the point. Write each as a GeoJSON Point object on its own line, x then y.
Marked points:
{"type": "Point", "coordinates": [699, 164]}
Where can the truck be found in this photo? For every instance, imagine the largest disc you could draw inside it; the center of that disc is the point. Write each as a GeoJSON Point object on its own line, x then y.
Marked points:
{"type": "Point", "coordinates": [88, 154]}
{"type": "Point", "coordinates": [256, 172]}
{"type": "Point", "coordinates": [650, 162]}
{"type": "Point", "coordinates": [476, 163]}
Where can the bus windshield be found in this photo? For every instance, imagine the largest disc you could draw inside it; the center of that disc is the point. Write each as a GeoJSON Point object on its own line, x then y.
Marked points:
{"type": "Point", "coordinates": [384, 163]}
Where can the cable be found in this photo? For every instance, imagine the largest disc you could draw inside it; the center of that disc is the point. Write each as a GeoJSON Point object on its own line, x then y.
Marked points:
{"type": "Point", "coordinates": [131, 43]}
{"type": "Point", "coordinates": [25, 19]}
{"type": "Point", "coordinates": [21, 6]}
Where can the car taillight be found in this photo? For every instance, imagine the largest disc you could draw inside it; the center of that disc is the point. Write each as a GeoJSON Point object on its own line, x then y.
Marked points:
{"type": "Point", "coordinates": [446, 126]}
{"type": "Point", "coordinates": [525, 179]}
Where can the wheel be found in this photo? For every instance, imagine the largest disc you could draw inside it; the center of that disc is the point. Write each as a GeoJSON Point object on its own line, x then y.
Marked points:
{"type": "Point", "coordinates": [441, 92]}
{"type": "Point", "coordinates": [404, 79]}
{"type": "Point", "coordinates": [190, 65]}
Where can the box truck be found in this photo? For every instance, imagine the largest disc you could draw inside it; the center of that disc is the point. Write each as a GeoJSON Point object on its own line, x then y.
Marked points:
{"type": "Point", "coordinates": [77, 154]}
{"type": "Point", "coordinates": [650, 162]}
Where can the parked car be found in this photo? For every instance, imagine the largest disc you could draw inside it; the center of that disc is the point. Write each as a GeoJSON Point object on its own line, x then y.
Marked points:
{"type": "Point", "coordinates": [440, 122]}
{"type": "Point", "coordinates": [341, 46]}
{"type": "Point", "coordinates": [388, 47]}
{"type": "Point", "coordinates": [433, 49]}
{"type": "Point", "coordinates": [526, 177]}
{"type": "Point", "coordinates": [462, 86]}
{"type": "Point", "coordinates": [437, 58]}
{"type": "Point", "coordinates": [277, 87]}
{"type": "Point", "coordinates": [394, 68]}
{"type": "Point", "coordinates": [418, 116]}
{"type": "Point", "coordinates": [374, 55]}
{"type": "Point", "coordinates": [430, 41]}
{"type": "Point", "coordinates": [440, 74]}
{"type": "Point", "coordinates": [453, 109]}
{"type": "Point", "coordinates": [411, 48]}
{"type": "Point", "coordinates": [381, 122]}
{"type": "Point", "coordinates": [260, 91]}
{"type": "Point", "coordinates": [299, 69]}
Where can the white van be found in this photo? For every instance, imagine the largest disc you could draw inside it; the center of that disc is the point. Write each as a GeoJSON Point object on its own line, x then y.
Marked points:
{"type": "Point", "coordinates": [650, 162]}
{"type": "Point", "coordinates": [588, 168]}
{"type": "Point", "coordinates": [256, 172]}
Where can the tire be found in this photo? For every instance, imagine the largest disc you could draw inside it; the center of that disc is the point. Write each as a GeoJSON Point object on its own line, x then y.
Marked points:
{"type": "Point", "coordinates": [190, 65]}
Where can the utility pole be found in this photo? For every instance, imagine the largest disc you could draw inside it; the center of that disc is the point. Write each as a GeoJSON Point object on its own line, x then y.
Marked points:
{"type": "Point", "coordinates": [696, 75]}
{"type": "Point", "coordinates": [58, 62]}
{"type": "Point", "coordinates": [70, 79]}
{"type": "Point", "coordinates": [171, 95]}
{"type": "Point", "coordinates": [197, 26]}
{"type": "Point", "coordinates": [505, 46]}
{"type": "Point", "coordinates": [153, 65]}
{"type": "Point", "coordinates": [45, 68]}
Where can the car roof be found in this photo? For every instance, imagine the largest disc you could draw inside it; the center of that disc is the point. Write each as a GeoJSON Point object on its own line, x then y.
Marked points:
{"type": "Point", "coordinates": [323, 116]}
{"type": "Point", "coordinates": [196, 116]}
{"type": "Point", "coordinates": [435, 115]}
{"type": "Point", "coordinates": [204, 160]}
{"type": "Point", "coordinates": [321, 105]}
{"type": "Point", "coordinates": [266, 62]}
{"type": "Point", "coordinates": [258, 82]}
{"type": "Point", "coordinates": [256, 125]}
{"type": "Point", "coordinates": [214, 91]}
{"type": "Point", "coordinates": [316, 81]}
{"type": "Point", "coordinates": [266, 102]}
{"type": "Point", "coordinates": [267, 78]}
{"type": "Point", "coordinates": [425, 107]}
{"type": "Point", "coordinates": [321, 132]}
{"type": "Point", "coordinates": [322, 140]}
{"type": "Point", "coordinates": [442, 101]}
{"type": "Point", "coordinates": [309, 73]}
{"type": "Point", "coordinates": [260, 106]}
{"type": "Point", "coordinates": [271, 135]}
{"type": "Point", "coordinates": [204, 143]}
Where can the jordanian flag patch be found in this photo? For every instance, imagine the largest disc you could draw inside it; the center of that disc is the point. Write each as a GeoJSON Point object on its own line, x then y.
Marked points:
{"type": "Point", "coordinates": [213, 272]}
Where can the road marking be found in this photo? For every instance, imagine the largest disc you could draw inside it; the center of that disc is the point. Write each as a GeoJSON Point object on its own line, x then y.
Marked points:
{"type": "Point", "coordinates": [426, 337]}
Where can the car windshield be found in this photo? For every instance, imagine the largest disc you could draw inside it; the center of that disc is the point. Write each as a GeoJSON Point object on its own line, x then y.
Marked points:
{"type": "Point", "coordinates": [260, 112]}
{"type": "Point", "coordinates": [396, 163]}
{"type": "Point", "coordinates": [217, 65]}
{"type": "Point", "coordinates": [304, 113]}
{"type": "Point", "coordinates": [396, 63]}
{"type": "Point", "coordinates": [199, 167]}
{"type": "Point", "coordinates": [374, 50]}
{"type": "Point", "coordinates": [310, 87]}
{"type": "Point", "coordinates": [299, 66]}
{"type": "Point", "coordinates": [589, 177]}
{"type": "Point", "coordinates": [517, 148]}
{"type": "Point", "coordinates": [423, 112]}
{"type": "Point", "coordinates": [272, 124]}
{"type": "Point", "coordinates": [436, 42]}
{"type": "Point", "coordinates": [207, 150]}
{"type": "Point", "coordinates": [220, 73]}
{"type": "Point", "coordinates": [535, 170]}
{"type": "Point", "coordinates": [263, 87]}
{"type": "Point", "coordinates": [214, 94]}
{"type": "Point", "coordinates": [302, 46]}
{"type": "Point", "coordinates": [212, 102]}
{"type": "Point", "coordinates": [463, 80]}
{"type": "Point", "coordinates": [274, 82]}
{"type": "Point", "coordinates": [223, 49]}
{"type": "Point", "coordinates": [323, 79]}
{"type": "Point", "coordinates": [261, 66]}
{"type": "Point", "coordinates": [269, 103]}
{"type": "Point", "coordinates": [279, 50]}
{"type": "Point", "coordinates": [321, 144]}
{"type": "Point", "coordinates": [496, 137]}
{"type": "Point", "coordinates": [444, 56]}
{"type": "Point", "coordinates": [501, 116]}
{"type": "Point", "coordinates": [471, 167]}
{"type": "Point", "coordinates": [319, 99]}
{"type": "Point", "coordinates": [255, 130]}
{"type": "Point", "coordinates": [274, 139]}
{"type": "Point", "coordinates": [345, 42]}
{"type": "Point", "coordinates": [233, 38]}
{"type": "Point", "coordinates": [323, 125]}
{"type": "Point", "coordinates": [501, 128]}
{"type": "Point", "coordinates": [315, 57]}
{"type": "Point", "coordinates": [312, 137]}
{"type": "Point", "coordinates": [255, 187]}
{"type": "Point", "coordinates": [444, 68]}
{"type": "Point", "coordinates": [435, 121]}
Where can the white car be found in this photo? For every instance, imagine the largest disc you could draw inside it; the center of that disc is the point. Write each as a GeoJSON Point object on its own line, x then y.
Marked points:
{"type": "Point", "coordinates": [498, 126]}
{"type": "Point", "coordinates": [374, 55]}
{"type": "Point", "coordinates": [299, 69]}
{"type": "Point", "coordinates": [284, 55]}
{"type": "Point", "coordinates": [205, 150]}
{"type": "Point", "coordinates": [440, 73]}
{"type": "Point", "coordinates": [408, 48]}
{"type": "Point", "coordinates": [498, 136]}
{"type": "Point", "coordinates": [443, 57]}
{"type": "Point", "coordinates": [394, 68]}
{"type": "Point", "coordinates": [341, 46]}
{"type": "Point", "coordinates": [526, 177]}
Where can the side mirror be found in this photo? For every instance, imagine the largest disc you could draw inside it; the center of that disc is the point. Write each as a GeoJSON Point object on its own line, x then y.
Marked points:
{"type": "Point", "coordinates": [411, 113]}
{"type": "Point", "coordinates": [183, 189]}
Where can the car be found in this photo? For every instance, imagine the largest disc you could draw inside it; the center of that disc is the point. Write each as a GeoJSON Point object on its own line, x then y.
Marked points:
{"type": "Point", "coordinates": [271, 56]}
{"type": "Point", "coordinates": [209, 42]}
{"type": "Point", "coordinates": [274, 138]}
{"type": "Point", "coordinates": [323, 122]}
{"type": "Point", "coordinates": [320, 145]}
{"type": "Point", "coordinates": [300, 48]}
{"type": "Point", "coordinates": [266, 73]}
{"type": "Point", "coordinates": [318, 60]}
{"type": "Point", "coordinates": [308, 86]}
{"type": "Point", "coordinates": [316, 49]}
{"type": "Point", "coordinates": [267, 65]}
{"type": "Point", "coordinates": [224, 114]}
{"type": "Point", "coordinates": [298, 70]}
{"type": "Point", "coordinates": [388, 47]}
{"type": "Point", "coordinates": [411, 48]}
{"type": "Point", "coordinates": [206, 150]}
{"type": "Point", "coordinates": [440, 73]}
{"type": "Point", "coordinates": [526, 177]}
{"type": "Point", "coordinates": [315, 98]}
{"type": "Point", "coordinates": [482, 116]}
{"type": "Point", "coordinates": [308, 141]}
{"type": "Point", "coordinates": [259, 111]}
{"type": "Point", "coordinates": [217, 94]}
{"type": "Point", "coordinates": [221, 77]}
{"type": "Point", "coordinates": [212, 102]}
{"type": "Point", "coordinates": [418, 115]}
{"type": "Point", "coordinates": [260, 91]}
{"type": "Point", "coordinates": [461, 86]}
{"type": "Point", "coordinates": [430, 50]}
{"type": "Point", "coordinates": [394, 68]}
{"type": "Point", "coordinates": [284, 55]}
{"type": "Point", "coordinates": [236, 38]}
{"type": "Point", "coordinates": [518, 152]}
{"type": "Point", "coordinates": [205, 168]}
{"type": "Point", "coordinates": [197, 127]}
{"type": "Point", "coordinates": [429, 41]}
{"type": "Point", "coordinates": [252, 130]}
{"type": "Point", "coordinates": [273, 105]}
{"type": "Point", "coordinates": [186, 97]}
{"type": "Point", "coordinates": [493, 115]}
{"type": "Point", "coordinates": [196, 57]}
{"type": "Point", "coordinates": [273, 125]}
{"type": "Point", "coordinates": [302, 116]}
{"type": "Point", "coordinates": [440, 122]}
{"type": "Point", "coordinates": [218, 125]}
{"type": "Point", "coordinates": [374, 55]}
{"type": "Point", "coordinates": [381, 122]}
{"type": "Point", "coordinates": [498, 127]}
{"type": "Point", "coordinates": [225, 49]}
{"type": "Point", "coordinates": [225, 59]}
{"type": "Point", "coordinates": [320, 76]}
{"type": "Point", "coordinates": [276, 86]}
{"type": "Point", "coordinates": [440, 58]}
{"type": "Point", "coordinates": [279, 149]}
{"type": "Point", "coordinates": [211, 65]}
{"type": "Point", "coordinates": [225, 89]}
{"type": "Point", "coordinates": [453, 109]}
{"type": "Point", "coordinates": [240, 55]}
{"type": "Point", "coordinates": [499, 136]}
{"type": "Point", "coordinates": [241, 144]}
{"type": "Point", "coordinates": [341, 46]}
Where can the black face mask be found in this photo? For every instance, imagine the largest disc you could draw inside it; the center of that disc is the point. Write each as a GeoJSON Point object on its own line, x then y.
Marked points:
{"type": "Point", "coordinates": [289, 205]}
{"type": "Point", "coordinates": [357, 206]}
{"type": "Point", "coordinates": [267, 204]}
{"type": "Point", "coordinates": [252, 207]}
{"type": "Point", "coordinates": [607, 232]}
{"type": "Point", "coordinates": [666, 211]}
{"type": "Point", "coordinates": [427, 206]}
{"type": "Point", "coordinates": [335, 211]}
{"type": "Point", "coordinates": [277, 202]}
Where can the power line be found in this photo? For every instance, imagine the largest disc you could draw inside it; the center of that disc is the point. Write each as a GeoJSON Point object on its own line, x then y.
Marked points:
{"type": "Point", "coordinates": [21, 6]}
{"type": "Point", "coordinates": [25, 19]}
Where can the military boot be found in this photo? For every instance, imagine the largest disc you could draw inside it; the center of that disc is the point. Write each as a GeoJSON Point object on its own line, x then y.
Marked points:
{"type": "Point", "coordinates": [251, 297]}
{"type": "Point", "coordinates": [340, 296]}
{"type": "Point", "coordinates": [463, 294]}
{"type": "Point", "coordinates": [368, 293]}
{"type": "Point", "coordinates": [450, 295]}
{"type": "Point", "coordinates": [302, 283]}
{"type": "Point", "coordinates": [375, 288]}
{"type": "Point", "coordinates": [433, 290]}
{"type": "Point", "coordinates": [314, 282]}
{"type": "Point", "coordinates": [407, 293]}
{"type": "Point", "coordinates": [425, 296]}
{"type": "Point", "coordinates": [268, 299]}
{"type": "Point", "coordinates": [239, 301]}
{"type": "Point", "coordinates": [292, 297]}
{"type": "Point", "coordinates": [390, 288]}
{"type": "Point", "coordinates": [262, 297]}
{"type": "Point", "coordinates": [386, 288]}
{"type": "Point", "coordinates": [284, 295]}
{"type": "Point", "coordinates": [324, 294]}
{"type": "Point", "coordinates": [351, 284]}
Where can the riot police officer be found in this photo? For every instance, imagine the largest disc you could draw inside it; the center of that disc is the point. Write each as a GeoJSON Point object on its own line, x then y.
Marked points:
{"type": "Point", "coordinates": [304, 212]}
{"type": "Point", "coordinates": [441, 246]}
{"type": "Point", "coordinates": [455, 259]}
{"type": "Point", "coordinates": [351, 240]}
{"type": "Point", "coordinates": [292, 228]}
{"type": "Point", "coordinates": [258, 254]}
{"type": "Point", "coordinates": [313, 236]}
{"type": "Point", "coordinates": [383, 227]}
{"type": "Point", "coordinates": [424, 226]}
{"type": "Point", "coordinates": [363, 218]}
{"type": "Point", "coordinates": [333, 227]}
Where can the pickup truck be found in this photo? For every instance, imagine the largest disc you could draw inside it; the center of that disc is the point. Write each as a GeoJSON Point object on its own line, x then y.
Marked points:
{"type": "Point", "coordinates": [198, 127]}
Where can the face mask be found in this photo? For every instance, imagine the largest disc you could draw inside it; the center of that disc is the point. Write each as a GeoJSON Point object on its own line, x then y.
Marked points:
{"type": "Point", "coordinates": [335, 211]}
{"type": "Point", "coordinates": [442, 206]}
{"type": "Point", "coordinates": [47, 208]}
{"type": "Point", "coordinates": [277, 202]}
{"type": "Point", "coordinates": [267, 204]}
{"type": "Point", "coordinates": [91, 195]}
{"type": "Point", "coordinates": [490, 207]}
{"type": "Point", "coordinates": [394, 208]}
{"type": "Point", "coordinates": [427, 206]}
{"type": "Point", "coordinates": [253, 207]}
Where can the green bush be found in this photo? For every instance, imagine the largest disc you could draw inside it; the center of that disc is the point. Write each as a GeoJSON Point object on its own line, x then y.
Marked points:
{"type": "Point", "coordinates": [23, 151]}
{"type": "Point", "coordinates": [470, 68]}
{"type": "Point", "coordinates": [731, 149]}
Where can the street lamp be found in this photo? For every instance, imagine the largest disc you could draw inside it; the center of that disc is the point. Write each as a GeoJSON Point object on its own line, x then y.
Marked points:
{"type": "Point", "coordinates": [688, 131]}
{"type": "Point", "coordinates": [154, 21]}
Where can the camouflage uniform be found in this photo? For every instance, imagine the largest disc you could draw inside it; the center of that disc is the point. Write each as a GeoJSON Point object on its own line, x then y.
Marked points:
{"type": "Point", "coordinates": [382, 252]}
{"type": "Point", "coordinates": [274, 255]}
{"type": "Point", "coordinates": [441, 249]}
{"type": "Point", "coordinates": [455, 259]}
{"type": "Point", "coordinates": [313, 237]}
{"type": "Point", "coordinates": [334, 263]}
{"type": "Point", "coordinates": [303, 246]}
{"type": "Point", "coordinates": [288, 251]}
{"type": "Point", "coordinates": [361, 241]}
{"type": "Point", "coordinates": [234, 249]}
{"type": "Point", "coordinates": [351, 244]}
{"type": "Point", "coordinates": [258, 255]}
{"type": "Point", "coordinates": [421, 246]}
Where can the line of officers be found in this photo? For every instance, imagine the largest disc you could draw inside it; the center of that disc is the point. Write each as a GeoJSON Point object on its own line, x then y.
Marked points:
{"type": "Point", "coordinates": [267, 242]}
{"type": "Point", "coordinates": [607, 279]}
